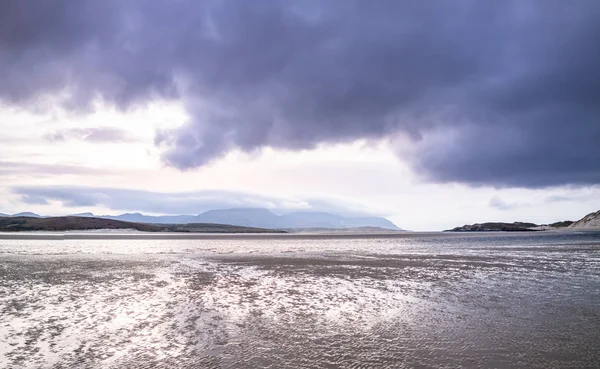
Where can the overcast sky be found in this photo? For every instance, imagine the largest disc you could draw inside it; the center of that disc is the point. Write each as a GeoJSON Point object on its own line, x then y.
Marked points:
{"type": "Point", "coordinates": [433, 114]}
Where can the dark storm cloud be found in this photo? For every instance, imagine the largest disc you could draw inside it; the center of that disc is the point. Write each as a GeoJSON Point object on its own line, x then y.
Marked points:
{"type": "Point", "coordinates": [491, 92]}
{"type": "Point", "coordinates": [92, 134]}
{"type": "Point", "coordinates": [176, 202]}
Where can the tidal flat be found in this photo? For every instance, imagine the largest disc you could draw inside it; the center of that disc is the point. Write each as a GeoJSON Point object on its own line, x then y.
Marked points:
{"type": "Point", "coordinates": [352, 301]}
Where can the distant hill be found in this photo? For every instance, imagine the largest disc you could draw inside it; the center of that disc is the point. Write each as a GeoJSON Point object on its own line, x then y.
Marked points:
{"type": "Point", "coordinates": [250, 217]}
{"type": "Point", "coordinates": [495, 227]}
{"type": "Point", "coordinates": [27, 214]}
{"type": "Point", "coordinates": [163, 219]}
{"type": "Point", "coordinates": [82, 215]}
{"type": "Point", "coordinates": [509, 227]}
{"type": "Point", "coordinates": [327, 220]}
{"type": "Point", "coordinates": [355, 230]}
{"type": "Point", "coordinates": [24, 214]}
{"type": "Point", "coordinates": [563, 224]}
{"type": "Point", "coordinates": [74, 223]}
{"type": "Point", "coordinates": [590, 221]}
{"type": "Point", "coordinates": [261, 218]}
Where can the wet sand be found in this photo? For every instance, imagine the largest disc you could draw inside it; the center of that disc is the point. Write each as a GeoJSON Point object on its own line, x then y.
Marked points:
{"type": "Point", "coordinates": [428, 301]}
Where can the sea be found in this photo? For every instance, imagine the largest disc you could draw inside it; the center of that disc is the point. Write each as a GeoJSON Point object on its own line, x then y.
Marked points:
{"type": "Point", "coordinates": [401, 300]}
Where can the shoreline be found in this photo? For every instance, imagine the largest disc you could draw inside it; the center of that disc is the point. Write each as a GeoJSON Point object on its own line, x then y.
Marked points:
{"type": "Point", "coordinates": [137, 235]}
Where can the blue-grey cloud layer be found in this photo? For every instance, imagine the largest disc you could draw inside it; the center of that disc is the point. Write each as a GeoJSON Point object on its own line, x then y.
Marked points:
{"type": "Point", "coordinates": [491, 92]}
{"type": "Point", "coordinates": [195, 202]}
{"type": "Point", "coordinates": [13, 168]}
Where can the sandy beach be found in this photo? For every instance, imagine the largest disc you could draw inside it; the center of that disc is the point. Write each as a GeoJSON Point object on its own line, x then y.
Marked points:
{"type": "Point", "coordinates": [413, 301]}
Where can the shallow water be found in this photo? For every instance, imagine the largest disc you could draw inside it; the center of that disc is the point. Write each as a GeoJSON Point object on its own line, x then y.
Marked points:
{"type": "Point", "coordinates": [406, 301]}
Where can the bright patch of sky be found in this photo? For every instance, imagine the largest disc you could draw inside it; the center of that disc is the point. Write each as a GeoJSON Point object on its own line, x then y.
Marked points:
{"type": "Point", "coordinates": [367, 176]}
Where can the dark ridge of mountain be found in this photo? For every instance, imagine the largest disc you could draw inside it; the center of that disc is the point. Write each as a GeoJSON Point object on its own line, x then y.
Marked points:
{"type": "Point", "coordinates": [590, 221]}
{"type": "Point", "coordinates": [71, 223]}
{"type": "Point", "coordinates": [218, 228]}
{"type": "Point", "coordinates": [20, 223]}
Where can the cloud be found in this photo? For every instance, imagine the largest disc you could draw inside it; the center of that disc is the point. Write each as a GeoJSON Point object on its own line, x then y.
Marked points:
{"type": "Point", "coordinates": [92, 135]}
{"type": "Point", "coordinates": [177, 202]}
{"type": "Point", "coordinates": [34, 200]}
{"type": "Point", "coordinates": [490, 93]}
{"type": "Point", "coordinates": [11, 167]}
{"type": "Point", "coordinates": [498, 203]}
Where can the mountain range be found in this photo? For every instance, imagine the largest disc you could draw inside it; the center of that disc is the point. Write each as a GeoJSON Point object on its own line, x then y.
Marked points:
{"type": "Point", "coordinates": [264, 218]}
{"type": "Point", "coordinates": [250, 217]}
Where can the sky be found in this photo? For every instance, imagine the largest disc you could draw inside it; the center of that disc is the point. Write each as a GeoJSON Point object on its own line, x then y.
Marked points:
{"type": "Point", "coordinates": [433, 114]}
